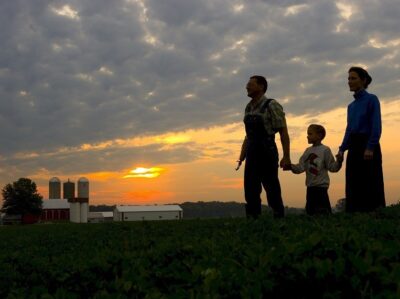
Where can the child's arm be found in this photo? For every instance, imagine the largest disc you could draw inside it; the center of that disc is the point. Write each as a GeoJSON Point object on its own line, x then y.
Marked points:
{"type": "Point", "coordinates": [330, 163]}
{"type": "Point", "coordinates": [300, 167]}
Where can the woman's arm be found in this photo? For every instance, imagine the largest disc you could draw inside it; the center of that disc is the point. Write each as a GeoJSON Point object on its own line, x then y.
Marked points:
{"type": "Point", "coordinates": [330, 163]}
{"type": "Point", "coordinates": [345, 142]}
{"type": "Point", "coordinates": [376, 128]}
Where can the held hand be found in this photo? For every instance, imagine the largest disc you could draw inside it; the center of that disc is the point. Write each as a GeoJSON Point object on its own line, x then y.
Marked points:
{"type": "Point", "coordinates": [285, 163]}
{"type": "Point", "coordinates": [239, 163]}
{"type": "Point", "coordinates": [339, 157]}
{"type": "Point", "coordinates": [368, 154]}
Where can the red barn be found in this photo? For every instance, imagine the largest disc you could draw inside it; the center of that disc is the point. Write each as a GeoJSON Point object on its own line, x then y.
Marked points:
{"type": "Point", "coordinates": [55, 209]}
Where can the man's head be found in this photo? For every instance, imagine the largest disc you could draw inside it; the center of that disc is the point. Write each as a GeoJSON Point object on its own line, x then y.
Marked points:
{"type": "Point", "coordinates": [256, 86]}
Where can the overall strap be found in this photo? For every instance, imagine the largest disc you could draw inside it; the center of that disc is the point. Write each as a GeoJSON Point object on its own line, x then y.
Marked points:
{"type": "Point", "coordinates": [265, 106]}
{"type": "Point", "coordinates": [247, 110]}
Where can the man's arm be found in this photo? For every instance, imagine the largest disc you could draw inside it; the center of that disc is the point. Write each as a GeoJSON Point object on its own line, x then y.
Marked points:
{"type": "Point", "coordinates": [285, 140]}
{"type": "Point", "coordinates": [242, 153]}
{"type": "Point", "coordinates": [278, 123]}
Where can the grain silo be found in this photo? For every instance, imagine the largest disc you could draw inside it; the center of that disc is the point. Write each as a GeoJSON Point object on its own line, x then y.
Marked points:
{"type": "Point", "coordinates": [80, 204]}
{"type": "Point", "coordinates": [69, 190]}
{"type": "Point", "coordinates": [54, 188]}
{"type": "Point", "coordinates": [79, 209]}
{"type": "Point", "coordinates": [83, 193]}
{"type": "Point", "coordinates": [83, 187]}
{"type": "Point", "coordinates": [84, 212]}
{"type": "Point", "coordinates": [75, 211]}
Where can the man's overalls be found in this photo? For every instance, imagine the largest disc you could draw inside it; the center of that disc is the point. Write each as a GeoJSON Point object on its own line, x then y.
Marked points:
{"type": "Point", "coordinates": [261, 166]}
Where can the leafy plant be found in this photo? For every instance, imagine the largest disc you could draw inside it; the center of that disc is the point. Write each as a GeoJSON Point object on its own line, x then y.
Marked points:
{"type": "Point", "coordinates": [339, 256]}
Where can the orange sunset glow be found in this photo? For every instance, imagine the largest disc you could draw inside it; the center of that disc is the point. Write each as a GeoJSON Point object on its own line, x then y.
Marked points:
{"type": "Point", "coordinates": [211, 175]}
{"type": "Point", "coordinates": [142, 172]}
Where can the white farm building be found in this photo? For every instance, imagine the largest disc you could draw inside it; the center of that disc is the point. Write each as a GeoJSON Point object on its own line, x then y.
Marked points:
{"type": "Point", "coordinates": [138, 213]}
{"type": "Point", "coordinates": [97, 217]}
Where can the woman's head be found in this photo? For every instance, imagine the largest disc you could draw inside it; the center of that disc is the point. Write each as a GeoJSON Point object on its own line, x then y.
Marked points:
{"type": "Point", "coordinates": [358, 78]}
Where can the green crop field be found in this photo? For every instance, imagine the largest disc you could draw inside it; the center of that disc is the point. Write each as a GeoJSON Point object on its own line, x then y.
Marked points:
{"type": "Point", "coordinates": [340, 256]}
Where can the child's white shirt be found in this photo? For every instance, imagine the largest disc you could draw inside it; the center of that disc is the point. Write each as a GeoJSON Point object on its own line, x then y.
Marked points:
{"type": "Point", "coordinates": [316, 162]}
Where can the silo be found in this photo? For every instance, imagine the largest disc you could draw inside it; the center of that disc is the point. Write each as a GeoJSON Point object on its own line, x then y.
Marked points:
{"type": "Point", "coordinates": [84, 212]}
{"type": "Point", "coordinates": [75, 212]}
{"type": "Point", "coordinates": [54, 188]}
{"type": "Point", "coordinates": [83, 188]}
{"type": "Point", "coordinates": [69, 190]}
{"type": "Point", "coordinates": [83, 197]}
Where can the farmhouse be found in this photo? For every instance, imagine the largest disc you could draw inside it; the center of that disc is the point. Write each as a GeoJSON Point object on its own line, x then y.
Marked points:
{"type": "Point", "coordinates": [137, 213]}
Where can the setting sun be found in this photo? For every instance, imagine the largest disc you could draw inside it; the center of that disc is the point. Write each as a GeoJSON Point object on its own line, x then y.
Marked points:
{"type": "Point", "coordinates": [142, 172]}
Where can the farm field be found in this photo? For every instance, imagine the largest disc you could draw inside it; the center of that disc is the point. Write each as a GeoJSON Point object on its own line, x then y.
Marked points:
{"type": "Point", "coordinates": [340, 256]}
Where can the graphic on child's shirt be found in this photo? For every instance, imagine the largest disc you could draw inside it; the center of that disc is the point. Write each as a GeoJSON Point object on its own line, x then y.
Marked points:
{"type": "Point", "coordinates": [313, 166]}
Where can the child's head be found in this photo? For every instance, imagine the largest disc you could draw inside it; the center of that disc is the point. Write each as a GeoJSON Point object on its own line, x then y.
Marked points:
{"type": "Point", "coordinates": [315, 133]}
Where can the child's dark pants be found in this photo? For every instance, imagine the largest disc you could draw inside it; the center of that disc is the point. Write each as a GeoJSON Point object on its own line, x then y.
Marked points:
{"type": "Point", "coordinates": [318, 201]}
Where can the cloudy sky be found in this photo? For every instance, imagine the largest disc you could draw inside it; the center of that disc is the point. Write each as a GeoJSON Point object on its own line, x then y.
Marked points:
{"type": "Point", "coordinates": [145, 97]}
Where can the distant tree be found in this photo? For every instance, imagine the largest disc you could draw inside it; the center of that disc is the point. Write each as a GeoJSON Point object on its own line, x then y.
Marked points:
{"type": "Point", "coordinates": [21, 198]}
{"type": "Point", "coordinates": [341, 205]}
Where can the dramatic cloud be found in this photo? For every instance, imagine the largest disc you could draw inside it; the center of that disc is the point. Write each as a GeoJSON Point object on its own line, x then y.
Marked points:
{"type": "Point", "coordinates": [87, 72]}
